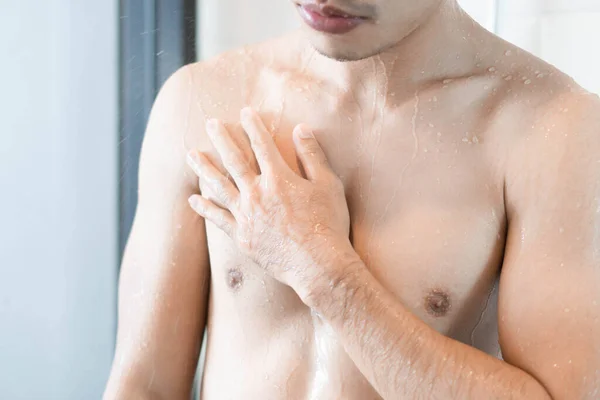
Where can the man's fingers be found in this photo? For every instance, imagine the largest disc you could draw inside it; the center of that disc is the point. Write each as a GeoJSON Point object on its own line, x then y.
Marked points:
{"type": "Point", "coordinates": [266, 152]}
{"type": "Point", "coordinates": [223, 219]}
{"type": "Point", "coordinates": [233, 158]}
{"type": "Point", "coordinates": [225, 193]}
{"type": "Point", "coordinates": [310, 153]}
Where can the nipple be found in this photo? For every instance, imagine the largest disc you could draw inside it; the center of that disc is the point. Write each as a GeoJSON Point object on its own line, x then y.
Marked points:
{"type": "Point", "coordinates": [437, 303]}
{"type": "Point", "coordinates": [235, 279]}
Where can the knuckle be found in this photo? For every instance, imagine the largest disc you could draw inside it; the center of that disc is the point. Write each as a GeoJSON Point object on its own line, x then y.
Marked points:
{"type": "Point", "coordinates": [253, 194]}
{"type": "Point", "coordinates": [223, 182]}
{"type": "Point", "coordinates": [336, 183]}
{"type": "Point", "coordinates": [262, 152]}
{"type": "Point", "coordinates": [260, 140]}
{"type": "Point", "coordinates": [223, 196]}
{"type": "Point", "coordinates": [241, 169]}
{"type": "Point", "coordinates": [312, 148]}
{"type": "Point", "coordinates": [222, 218]}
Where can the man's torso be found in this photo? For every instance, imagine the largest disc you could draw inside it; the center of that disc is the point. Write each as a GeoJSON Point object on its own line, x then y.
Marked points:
{"type": "Point", "coordinates": [423, 172]}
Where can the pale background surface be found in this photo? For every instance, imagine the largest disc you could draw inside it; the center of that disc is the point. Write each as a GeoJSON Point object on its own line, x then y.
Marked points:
{"type": "Point", "coordinates": [58, 202]}
{"type": "Point", "coordinates": [58, 164]}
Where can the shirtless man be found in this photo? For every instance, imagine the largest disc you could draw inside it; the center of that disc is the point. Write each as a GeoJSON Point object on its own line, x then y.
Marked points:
{"type": "Point", "coordinates": [471, 173]}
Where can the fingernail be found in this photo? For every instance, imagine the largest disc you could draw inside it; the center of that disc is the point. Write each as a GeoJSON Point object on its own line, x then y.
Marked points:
{"type": "Point", "coordinates": [193, 202]}
{"type": "Point", "coordinates": [192, 158]}
{"type": "Point", "coordinates": [194, 162]}
{"type": "Point", "coordinates": [211, 125]}
{"type": "Point", "coordinates": [246, 112]}
{"type": "Point", "coordinates": [304, 132]}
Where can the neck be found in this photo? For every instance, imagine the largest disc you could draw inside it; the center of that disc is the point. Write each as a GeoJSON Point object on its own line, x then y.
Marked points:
{"type": "Point", "coordinates": [443, 46]}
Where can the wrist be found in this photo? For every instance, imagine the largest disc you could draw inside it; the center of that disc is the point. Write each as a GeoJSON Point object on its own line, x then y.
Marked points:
{"type": "Point", "coordinates": [333, 278]}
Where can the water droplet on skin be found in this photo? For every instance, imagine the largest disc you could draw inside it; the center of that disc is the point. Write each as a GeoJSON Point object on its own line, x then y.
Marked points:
{"type": "Point", "coordinates": [508, 53]}
{"type": "Point", "coordinates": [486, 87]}
{"type": "Point", "coordinates": [492, 69]}
{"type": "Point", "coordinates": [446, 81]}
{"type": "Point", "coordinates": [431, 125]}
{"type": "Point", "coordinates": [425, 150]}
{"type": "Point", "coordinates": [475, 139]}
{"type": "Point", "coordinates": [567, 310]}
{"type": "Point", "coordinates": [528, 81]}
{"type": "Point", "coordinates": [508, 78]}
{"type": "Point", "coordinates": [561, 229]}
{"type": "Point", "coordinates": [435, 98]}
{"type": "Point", "coordinates": [350, 119]}
{"type": "Point", "coordinates": [540, 76]}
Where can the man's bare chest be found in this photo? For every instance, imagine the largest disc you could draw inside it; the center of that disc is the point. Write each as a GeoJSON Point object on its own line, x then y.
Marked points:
{"type": "Point", "coordinates": [428, 223]}
{"type": "Point", "coordinates": [426, 209]}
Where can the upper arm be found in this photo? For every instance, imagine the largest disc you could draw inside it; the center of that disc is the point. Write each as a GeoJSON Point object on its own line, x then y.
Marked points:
{"type": "Point", "coordinates": [165, 272]}
{"type": "Point", "coordinates": [550, 285]}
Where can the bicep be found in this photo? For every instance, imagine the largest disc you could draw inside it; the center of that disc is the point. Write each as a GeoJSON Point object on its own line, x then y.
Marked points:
{"type": "Point", "coordinates": [165, 272]}
{"type": "Point", "coordinates": [549, 306]}
{"type": "Point", "coordinates": [549, 311]}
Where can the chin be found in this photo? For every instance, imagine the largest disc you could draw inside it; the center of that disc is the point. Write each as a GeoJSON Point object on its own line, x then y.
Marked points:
{"type": "Point", "coordinates": [341, 53]}
{"type": "Point", "coordinates": [342, 49]}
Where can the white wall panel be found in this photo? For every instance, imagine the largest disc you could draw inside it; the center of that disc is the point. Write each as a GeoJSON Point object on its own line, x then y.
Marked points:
{"type": "Point", "coordinates": [227, 24]}
{"type": "Point", "coordinates": [562, 32]}
{"type": "Point", "coordinates": [483, 11]}
{"type": "Point", "coordinates": [570, 41]}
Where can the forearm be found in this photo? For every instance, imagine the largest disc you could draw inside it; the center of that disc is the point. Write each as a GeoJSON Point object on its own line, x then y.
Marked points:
{"type": "Point", "coordinates": [127, 387]}
{"type": "Point", "coordinates": [400, 355]}
{"type": "Point", "coordinates": [146, 375]}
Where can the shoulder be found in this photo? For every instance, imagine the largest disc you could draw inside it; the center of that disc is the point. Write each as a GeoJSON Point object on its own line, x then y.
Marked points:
{"type": "Point", "coordinates": [224, 84]}
{"type": "Point", "coordinates": [537, 106]}
{"type": "Point", "coordinates": [554, 148]}
{"type": "Point", "coordinates": [214, 88]}
{"type": "Point", "coordinates": [543, 126]}
{"type": "Point", "coordinates": [551, 111]}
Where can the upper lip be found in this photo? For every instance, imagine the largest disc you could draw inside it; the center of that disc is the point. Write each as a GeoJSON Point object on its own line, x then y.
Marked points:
{"type": "Point", "coordinates": [329, 11]}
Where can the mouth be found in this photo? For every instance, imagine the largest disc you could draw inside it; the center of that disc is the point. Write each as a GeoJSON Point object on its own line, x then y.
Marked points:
{"type": "Point", "coordinates": [329, 19]}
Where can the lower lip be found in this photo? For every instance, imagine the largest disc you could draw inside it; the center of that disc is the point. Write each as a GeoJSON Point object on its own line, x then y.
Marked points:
{"type": "Point", "coordinates": [334, 25]}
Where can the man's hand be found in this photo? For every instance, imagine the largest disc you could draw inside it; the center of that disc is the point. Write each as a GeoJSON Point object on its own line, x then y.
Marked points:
{"type": "Point", "coordinates": [290, 226]}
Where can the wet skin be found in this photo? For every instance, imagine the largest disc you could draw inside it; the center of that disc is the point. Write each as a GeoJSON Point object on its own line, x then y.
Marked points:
{"type": "Point", "coordinates": [454, 177]}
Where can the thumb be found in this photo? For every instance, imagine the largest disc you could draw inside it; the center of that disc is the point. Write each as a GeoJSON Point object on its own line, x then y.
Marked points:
{"type": "Point", "coordinates": [310, 153]}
